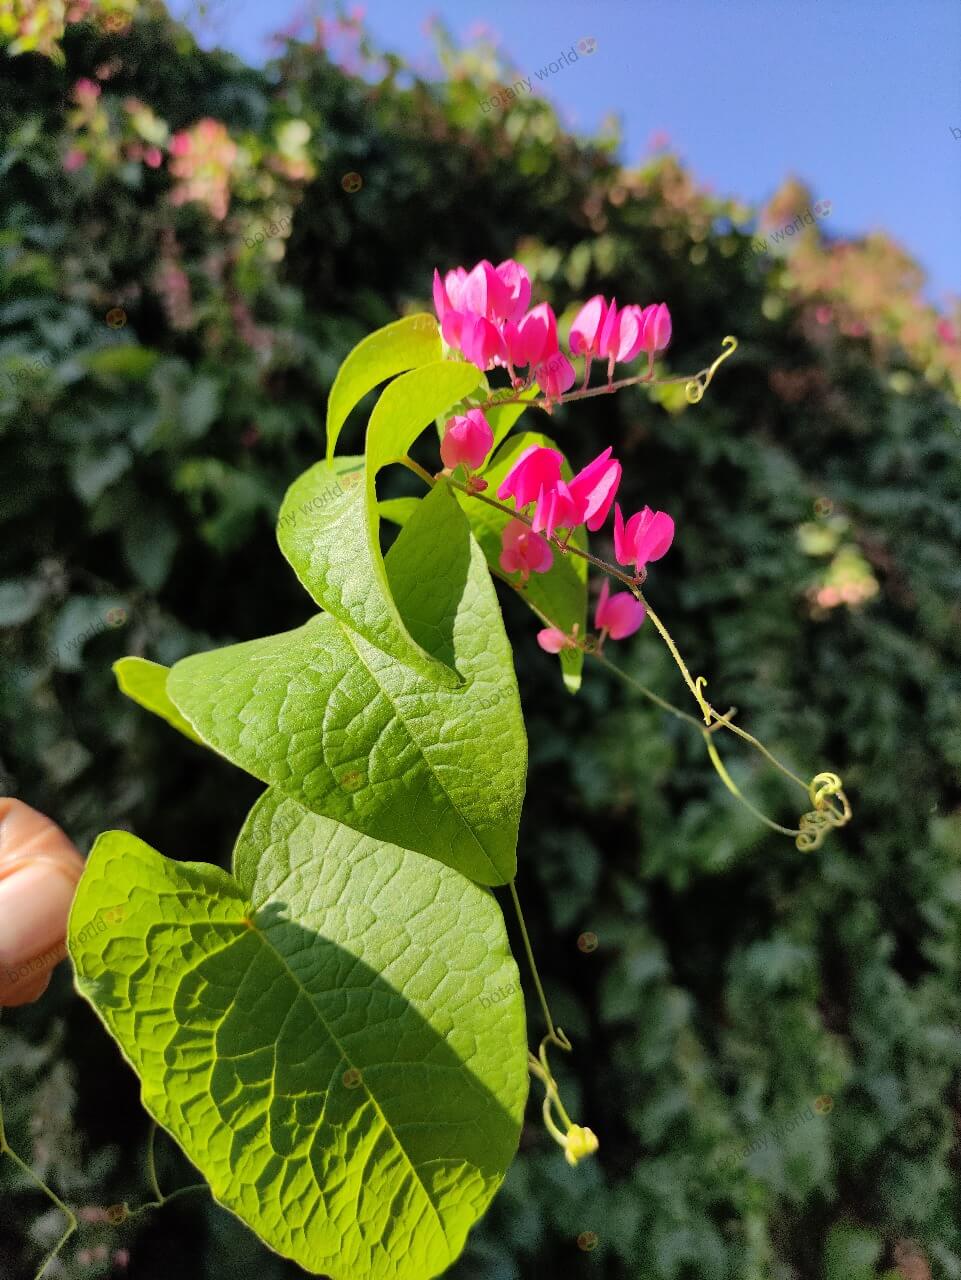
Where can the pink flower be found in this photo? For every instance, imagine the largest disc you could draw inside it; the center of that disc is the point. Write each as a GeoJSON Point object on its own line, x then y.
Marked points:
{"type": "Point", "coordinates": [478, 339]}
{"type": "Point", "coordinates": [535, 470]}
{"type": "Point", "coordinates": [593, 489]}
{"type": "Point", "coordinates": [524, 551]}
{"type": "Point", "coordinates": [447, 291]}
{"type": "Point", "coordinates": [74, 160]}
{"type": "Point", "coordinates": [536, 338]}
{"type": "Point", "coordinates": [467, 440]}
{"type": "Point", "coordinates": [655, 328]}
{"type": "Point", "coordinates": [586, 331]}
{"type": "Point", "coordinates": [536, 477]}
{"type": "Point", "coordinates": [153, 157]}
{"type": "Point", "coordinates": [498, 294]}
{"type": "Point", "coordinates": [554, 507]}
{"type": "Point", "coordinates": [86, 91]}
{"type": "Point", "coordinates": [646, 536]}
{"type": "Point", "coordinates": [618, 616]}
{"type": "Point", "coordinates": [620, 336]}
{"type": "Point", "coordinates": [555, 376]}
{"type": "Point", "coordinates": [551, 640]}
{"type": "Point", "coordinates": [514, 295]}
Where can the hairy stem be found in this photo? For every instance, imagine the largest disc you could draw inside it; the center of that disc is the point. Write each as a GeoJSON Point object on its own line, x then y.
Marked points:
{"type": "Point", "coordinates": [694, 686]}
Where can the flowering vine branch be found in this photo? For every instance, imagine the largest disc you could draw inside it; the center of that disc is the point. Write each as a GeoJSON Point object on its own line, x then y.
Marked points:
{"type": "Point", "coordinates": [695, 386]}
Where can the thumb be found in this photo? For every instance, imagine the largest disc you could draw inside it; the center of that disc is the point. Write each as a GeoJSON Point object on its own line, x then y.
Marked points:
{"type": "Point", "coordinates": [39, 870]}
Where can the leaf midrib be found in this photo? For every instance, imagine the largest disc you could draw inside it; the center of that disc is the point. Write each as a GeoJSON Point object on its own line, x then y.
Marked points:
{"type": "Point", "coordinates": [413, 738]}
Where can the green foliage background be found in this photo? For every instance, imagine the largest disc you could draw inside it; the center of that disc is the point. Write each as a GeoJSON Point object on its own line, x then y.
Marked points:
{"type": "Point", "coordinates": [735, 980]}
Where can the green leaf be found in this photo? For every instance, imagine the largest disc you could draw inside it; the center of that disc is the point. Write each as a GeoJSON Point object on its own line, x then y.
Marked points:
{"type": "Point", "coordinates": [20, 599]}
{"type": "Point", "coordinates": [349, 732]}
{"type": "Point", "coordinates": [398, 510]}
{"type": "Point", "coordinates": [92, 473]}
{"type": "Point", "coordinates": [314, 1033]}
{"type": "Point", "coordinates": [405, 344]}
{"type": "Point", "coordinates": [332, 539]}
{"type": "Point", "coordinates": [560, 594]}
{"type": "Point", "coordinates": [127, 361]}
{"type": "Point", "coordinates": [81, 620]}
{"type": "Point", "coordinates": [150, 543]}
{"type": "Point", "coordinates": [146, 684]}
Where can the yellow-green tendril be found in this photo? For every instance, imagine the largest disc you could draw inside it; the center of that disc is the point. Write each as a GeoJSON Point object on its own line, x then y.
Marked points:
{"type": "Point", "coordinates": [812, 827]}
{"type": "Point", "coordinates": [699, 383]}
{"type": "Point", "coordinates": [816, 824]}
{"type": "Point", "coordinates": [577, 1141]}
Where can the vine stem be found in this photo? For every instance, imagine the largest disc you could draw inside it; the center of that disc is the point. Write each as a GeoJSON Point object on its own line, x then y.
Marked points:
{"type": "Point", "coordinates": [151, 1162]}
{"type": "Point", "coordinates": [554, 1034]}
{"type": "Point", "coordinates": [682, 665]}
{"type": "Point", "coordinates": [72, 1224]}
{"type": "Point", "coordinates": [123, 1213]}
{"type": "Point", "coordinates": [728, 781]}
{"type": "Point", "coordinates": [696, 385]}
{"type": "Point", "coordinates": [159, 1204]}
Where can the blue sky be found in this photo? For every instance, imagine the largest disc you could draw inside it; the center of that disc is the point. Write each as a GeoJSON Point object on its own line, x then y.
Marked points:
{"type": "Point", "coordinates": [858, 98]}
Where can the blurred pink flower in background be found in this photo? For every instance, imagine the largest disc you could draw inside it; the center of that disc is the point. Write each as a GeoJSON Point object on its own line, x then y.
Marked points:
{"type": "Point", "coordinates": [202, 159]}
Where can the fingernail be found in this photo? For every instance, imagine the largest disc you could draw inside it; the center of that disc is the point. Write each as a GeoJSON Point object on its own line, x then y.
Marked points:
{"type": "Point", "coordinates": [34, 904]}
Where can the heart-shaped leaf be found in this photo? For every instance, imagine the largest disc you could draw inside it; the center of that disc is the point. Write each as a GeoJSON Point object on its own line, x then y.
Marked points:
{"type": "Point", "coordinates": [335, 722]}
{"type": "Point", "coordinates": [330, 532]}
{"type": "Point", "coordinates": [403, 345]}
{"type": "Point", "coordinates": [335, 1037]}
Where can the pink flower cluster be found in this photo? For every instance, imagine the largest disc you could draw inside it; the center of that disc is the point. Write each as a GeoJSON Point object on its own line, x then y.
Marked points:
{"type": "Point", "coordinates": [483, 314]}
{"type": "Point", "coordinates": [534, 482]}
{"type": "Point", "coordinates": [617, 616]}
{"type": "Point", "coordinates": [203, 158]}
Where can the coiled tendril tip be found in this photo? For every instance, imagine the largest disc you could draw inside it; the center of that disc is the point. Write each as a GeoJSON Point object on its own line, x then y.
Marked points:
{"type": "Point", "coordinates": [694, 390]}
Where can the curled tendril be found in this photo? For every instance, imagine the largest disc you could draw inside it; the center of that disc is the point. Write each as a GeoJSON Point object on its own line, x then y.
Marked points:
{"type": "Point", "coordinates": [814, 826]}
{"type": "Point", "coordinates": [577, 1141]}
{"type": "Point", "coordinates": [694, 390]}
{"type": "Point", "coordinates": [699, 684]}
{"type": "Point", "coordinates": [822, 786]}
